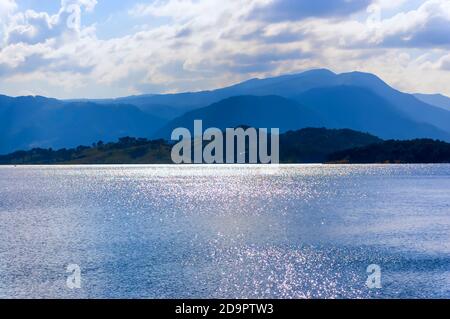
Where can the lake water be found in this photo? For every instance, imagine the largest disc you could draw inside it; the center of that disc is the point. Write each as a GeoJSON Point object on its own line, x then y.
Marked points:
{"type": "Point", "coordinates": [300, 231]}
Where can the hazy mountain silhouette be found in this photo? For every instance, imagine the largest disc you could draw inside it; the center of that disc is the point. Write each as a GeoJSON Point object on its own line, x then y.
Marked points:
{"type": "Point", "coordinates": [438, 100]}
{"type": "Point", "coordinates": [286, 86]}
{"type": "Point", "coordinates": [315, 98]}
{"type": "Point", "coordinates": [292, 85]}
{"type": "Point", "coordinates": [255, 111]}
{"type": "Point", "coordinates": [289, 86]}
{"type": "Point", "coordinates": [362, 110]}
{"type": "Point", "coordinates": [332, 107]}
{"type": "Point", "coordinates": [28, 122]}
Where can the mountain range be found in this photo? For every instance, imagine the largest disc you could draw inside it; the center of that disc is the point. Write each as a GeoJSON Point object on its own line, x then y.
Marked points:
{"type": "Point", "coordinates": [28, 122]}
{"type": "Point", "coordinates": [438, 100]}
{"type": "Point", "coordinates": [316, 98]}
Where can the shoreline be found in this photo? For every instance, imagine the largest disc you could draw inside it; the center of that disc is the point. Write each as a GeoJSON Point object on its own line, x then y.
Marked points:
{"type": "Point", "coordinates": [220, 165]}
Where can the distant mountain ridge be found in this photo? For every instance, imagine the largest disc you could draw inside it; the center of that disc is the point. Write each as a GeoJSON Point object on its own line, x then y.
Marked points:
{"type": "Point", "coordinates": [256, 111]}
{"type": "Point", "coordinates": [28, 122]}
{"type": "Point", "coordinates": [332, 107]}
{"type": "Point", "coordinates": [315, 98]}
{"type": "Point", "coordinates": [289, 86]}
{"type": "Point", "coordinates": [438, 100]}
{"type": "Point", "coordinates": [361, 109]}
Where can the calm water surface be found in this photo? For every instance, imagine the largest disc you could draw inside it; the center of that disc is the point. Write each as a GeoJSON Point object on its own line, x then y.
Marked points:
{"type": "Point", "coordinates": [306, 231]}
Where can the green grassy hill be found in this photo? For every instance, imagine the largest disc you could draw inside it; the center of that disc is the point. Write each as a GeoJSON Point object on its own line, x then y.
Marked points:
{"type": "Point", "coordinates": [311, 145]}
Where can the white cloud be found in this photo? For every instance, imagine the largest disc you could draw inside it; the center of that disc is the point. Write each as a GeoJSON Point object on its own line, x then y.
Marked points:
{"type": "Point", "coordinates": [89, 5]}
{"type": "Point", "coordinates": [7, 7]}
{"type": "Point", "coordinates": [33, 27]}
{"type": "Point", "coordinates": [207, 44]}
{"type": "Point", "coordinates": [417, 28]}
{"type": "Point", "coordinates": [444, 63]}
{"type": "Point", "coordinates": [390, 4]}
{"type": "Point", "coordinates": [423, 28]}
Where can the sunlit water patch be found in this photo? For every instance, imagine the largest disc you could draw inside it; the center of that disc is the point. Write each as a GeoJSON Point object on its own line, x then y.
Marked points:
{"type": "Point", "coordinates": [294, 231]}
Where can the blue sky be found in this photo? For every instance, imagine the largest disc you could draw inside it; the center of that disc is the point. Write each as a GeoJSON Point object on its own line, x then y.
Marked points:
{"type": "Point", "coordinates": [108, 48]}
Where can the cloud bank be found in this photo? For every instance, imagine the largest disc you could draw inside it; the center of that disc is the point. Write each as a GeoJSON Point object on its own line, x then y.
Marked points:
{"type": "Point", "coordinates": [180, 45]}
